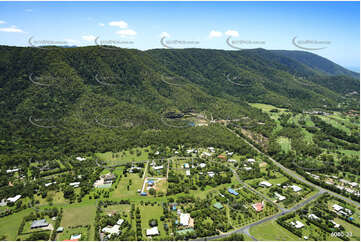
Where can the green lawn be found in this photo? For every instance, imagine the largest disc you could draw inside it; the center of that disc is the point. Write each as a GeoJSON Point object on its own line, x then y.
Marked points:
{"type": "Point", "coordinates": [69, 232]}
{"type": "Point", "coordinates": [350, 228]}
{"type": "Point", "coordinates": [151, 212]}
{"type": "Point", "coordinates": [79, 214]}
{"type": "Point", "coordinates": [122, 192]}
{"type": "Point", "coordinates": [9, 225]}
{"type": "Point", "coordinates": [285, 143]}
{"type": "Point", "coordinates": [123, 157]}
{"type": "Point", "coordinates": [272, 231]}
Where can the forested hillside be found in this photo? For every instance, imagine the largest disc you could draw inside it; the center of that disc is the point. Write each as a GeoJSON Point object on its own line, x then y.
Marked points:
{"type": "Point", "coordinates": [76, 100]}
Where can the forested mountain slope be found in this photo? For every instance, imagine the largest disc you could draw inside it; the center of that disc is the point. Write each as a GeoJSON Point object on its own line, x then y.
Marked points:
{"type": "Point", "coordinates": [65, 100]}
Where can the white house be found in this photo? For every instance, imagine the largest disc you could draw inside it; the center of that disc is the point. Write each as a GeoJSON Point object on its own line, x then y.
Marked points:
{"type": "Point", "coordinates": [265, 184]}
{"type": "Point", "coordinates": [157, 167]}
{"type": "Point", "coordinates": [74, 184]}
{"type": "Point", "coordinates": [211, 173]}
{"type": "Point", "coordinates": [247, 168]}
{"type": "Point", "coordinates": [184, 219]}
{"type": "Point", "coordinates": [111, 230]}
{"type": "Point", "coordinates": [313, 216]}
{"type": "Point", "coordinates": [337, 207]}
{"type": "Point", "coordinates": [297, 224]}
{"type": "Point", "coordinates": [206, 154]}
{"type": "Point", "coordinates": [12, 170]}
{"type": "Point", "coordinates": [335, 225]}
{"type": "Point", "coordinates": [152, 231]}
{"type": "Point", "coordinates": [231, 160]}
{"type": "Point", "coordinates": [251, 160]}
{"type": "Point", "coordinates": [188, 172]}
{"type": "Point", "coordinates": [279, 197]}
{"type": "Point", "coordinates": [202, 165]}
{"type": "Point", "coordinates": [120, 222]}
{"type": "Point", "coordinates": [186, 166]}
{"type": "Point", "coordinates": [80, 158]}
{"type": "Point", "coordinates": [14, 199]}
{"type": "Point", "coordinates": [295, 188]}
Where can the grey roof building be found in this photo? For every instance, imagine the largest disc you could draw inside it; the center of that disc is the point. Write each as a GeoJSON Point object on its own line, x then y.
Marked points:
{"type": "Point", "coordinates": [39, 224]}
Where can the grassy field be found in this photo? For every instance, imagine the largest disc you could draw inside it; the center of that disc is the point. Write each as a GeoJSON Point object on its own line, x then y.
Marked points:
{"type": "Point", "coordinates": [123, 157]}
{"type": "Point", "coordinates": [151, 212]}
{"type": "Point", "coordinates": [79, 214]}
{"type": "Point", "coordinates": [350, 228]}
{"type": "Point", "coordinates": [9, 225]}
{"type": "Point", "coordinates": [122, 192]}
{"type": "Point", "coordinates": [272, 231]}
{"type": "Point", "coordinates": [266, 107]}
{"type": "Point", "coordinates": [285, 143]}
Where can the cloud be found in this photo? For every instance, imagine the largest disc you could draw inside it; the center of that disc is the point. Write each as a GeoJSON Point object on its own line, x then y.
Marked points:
{"type": "Point", "coordinates": [101, 24]}
{"type": "Point", "coordinates": [232, 33]}
{"type": "Point", "coordinates": [120, 24]}
{"type": "Point", "coordinates": [12, 29]}
{"type": "Point", "coordinates": [88, 38]}
{"type": "Point", "coordinates": [2, 22]}
{"type": "Point", "coordinates": [29, 10]}
{"type": "Point", "coordinates": [215, 34]}
{"type": "Point", "coordinates": [126, 32]}
{"type": "Point", "coordinates": [164, 34]}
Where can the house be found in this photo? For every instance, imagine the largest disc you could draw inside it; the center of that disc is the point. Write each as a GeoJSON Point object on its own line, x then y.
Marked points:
{"type": "Point", "coordinates": [251, 160]}
{"type": "Point", "coordinates": [158, 167]}
{"type": "Point", "coordinates": [156, 153]}
{"type": "Point", "coordinates": [211, 173]}
{"type": "Point", "coordinates": [222, 157]}
{"type": "Point", "coordinates": [60, 229]}
{"type": "Point", "coordinates": [231, 160]}
{"type": "Point", "coordinates": [12, 170]}
{"type": "Point", "coordinates": [297, 224]}
{"type": "Point", "coordinates": [74, 184]}
{"type": "Point", "coordinates": [265, 184]}
{"type": "Point", "coordinates": [188, 172]}
{"type": "Point", "coordinates": [120, 222]}
{"type": "Point", "coordinates": [337, 207]}
{"type": "Point", "coordinates": [14, 199]}
{"type": "Point", "coordinates": [50, 183]}
{"type": "Point", "coordinates": [211, 149]}
{"type": "Point", "coordinates": [313, 216]}
{"type": "Point", "coordinates": [353, 184]}
{"type": "Point", "coordinates": [143, 194]}
{"type": "Point", "coordinates": [150, 183]}
{"type": "Point", "coordinates": [218, 205]}
{"type": "Point", "coordinates": [206, 154]}
{"type": "Point", "coordinates": [184, 219]}
{"type": "Point", "coordinates": [229, 153]}
{"type": "Point", "coordinates": [190, 151]}
{"type": "Point", "coordinates": [247, 168]}
{"type": "Point", "coordinates": [202, 165]}
{"type": "Point", "coordinates": [80, 158]}
{"type": "Point", "coordinates": [108, 178]}
{"type": "Point", "coordinates": [41, 223]}
{"type": "Point", "coordinates": [186, 166]}
{"type": "Point", "coordinates": [231, 191]}
{"type": "Point", "coordinates": [258, 206]}
{"type": "Point", "coordinates": [152, 231]}
{"type": "Point", "coordinates": [75, 237]}
{"type": "Point", "coordinates": [279, 197]}
{"type": "Point", "coordinates": [335, 225]}
{"type": "Point", "coordinates": [295, 188]}
{"type": "Point", "coordinates": [111, 230]}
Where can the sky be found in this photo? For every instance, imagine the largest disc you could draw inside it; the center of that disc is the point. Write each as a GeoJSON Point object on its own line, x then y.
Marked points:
{"type": "Point", "coordinates": [329, 29]}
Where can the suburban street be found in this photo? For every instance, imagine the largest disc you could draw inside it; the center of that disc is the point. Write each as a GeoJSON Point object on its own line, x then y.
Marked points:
{"type": "Point", "coordinates": [246, 228]}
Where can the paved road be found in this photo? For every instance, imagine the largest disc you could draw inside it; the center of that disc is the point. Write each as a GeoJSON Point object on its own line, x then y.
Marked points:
{"type": "Point", "coordinates": [297, 176]}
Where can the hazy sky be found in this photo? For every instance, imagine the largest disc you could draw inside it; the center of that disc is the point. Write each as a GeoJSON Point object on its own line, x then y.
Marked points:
{"type": "Point", "coordinates": [269, 25]}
